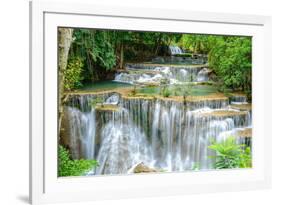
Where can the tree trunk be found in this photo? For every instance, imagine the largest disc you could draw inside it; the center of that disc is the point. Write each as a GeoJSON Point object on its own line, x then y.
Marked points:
{"type": "Point", "coordinates": [65, 39]}
{"type": "Point", "coordinates": [121, 65]}
{"type": "Point", "coordinates": [158, 42]}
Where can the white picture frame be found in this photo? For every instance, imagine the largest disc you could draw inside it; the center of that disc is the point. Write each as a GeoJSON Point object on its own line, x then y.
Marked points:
{"type": "Point", "coordinates": [46, 187]}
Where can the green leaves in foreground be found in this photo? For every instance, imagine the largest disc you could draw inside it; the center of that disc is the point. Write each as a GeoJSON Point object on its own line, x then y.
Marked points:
{"type": "Point", "coordinates": [68, 167]}
{"type": "Point", "coordinates": [229, 154]}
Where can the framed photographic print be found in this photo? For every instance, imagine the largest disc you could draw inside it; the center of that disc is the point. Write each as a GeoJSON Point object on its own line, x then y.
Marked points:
{"type": "Point", "coordinates": [129, 102]}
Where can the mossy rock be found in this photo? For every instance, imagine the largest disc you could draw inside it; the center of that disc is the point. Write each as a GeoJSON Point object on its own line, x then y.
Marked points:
{"type": "Point", "coordinates": [223, 113]}
{"type": "Point", "coordinates": [107, 107]}
{"type": "Point", "coordinates": [242, 107]}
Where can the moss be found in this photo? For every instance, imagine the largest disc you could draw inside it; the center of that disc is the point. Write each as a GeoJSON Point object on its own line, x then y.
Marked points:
{"type": "Point", "coordinates": [237, 93]}
{"type": "Point", "coordinates": [126, 93]}
{"type": "Point", "coordinates": [149, 84]}
{"type": "Point", "coordinates": [242, 107]}
{"type": "Point", "coordinates": [215, 96]}
{"type": "Point", "coordinates": [223, 113]}
{"type": "Point", "coordinates": [138, 96]}
{"type": "Point", "coordinates": [107, 107]}
{"type": "Point", "coordinates": [171, 65]}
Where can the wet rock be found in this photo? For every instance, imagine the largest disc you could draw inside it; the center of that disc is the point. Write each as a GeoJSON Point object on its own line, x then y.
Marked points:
{"type": "Point", "coordinates": [107, 107]}
{"type": "Point", "coordinates": [203, 75]}
{"type": "Point", "coordinates": [112, 100]}
{"type": "Point", "coordinates": [142, 168]}
{"type": "Point", "coordinates": [242, 107]}
{"type": "Point", "coordinates": [247, 132]}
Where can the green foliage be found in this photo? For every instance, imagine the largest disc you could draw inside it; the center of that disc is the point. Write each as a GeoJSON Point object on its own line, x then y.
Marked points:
{"type": "Point", "coordinates": [195, 167]}
{"type": "Point", "coordinates": [197, 43]}
{"type": "Point", "coordinates": [96, 48]}
{"type": "Point", "coordinates": [186, 89]}
{"type": "Point", "coordinates": [164, 81]}
{"type": "Point", "coordinates": [166, 92]}
{"type": "Point", "coordinates": [103, 50]}
{"type": "Point", "coordinates": [230, 58]}
{"type": "Point", "coordinates": [229, 154]}
{"type": "Point", "coordinates": [72, 74]}
{"type": "Point", "coordinates": [68, 167]}
{"type": "Point", "coordinates": [96, 101]}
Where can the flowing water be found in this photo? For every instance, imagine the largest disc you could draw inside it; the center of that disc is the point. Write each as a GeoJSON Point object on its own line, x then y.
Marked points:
{"type": "Point", "coordinates": [163, 134]}
{"type": "Point", "coordinates": [139, 74]}
{"type": "Point", "coordinates": [166, 135]}
{"type": "Point", "coordinates": [175, 50]}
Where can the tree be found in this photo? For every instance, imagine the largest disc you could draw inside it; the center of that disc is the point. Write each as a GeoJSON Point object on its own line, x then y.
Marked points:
{"type": "Point", "coordinates": [231, 60]}
{"type": "Point", "coordinates": [96, 50]}
{"type": "Point", "coordinates": [65, 39]}
{"type": "Point", "coordinates": [198, 43]}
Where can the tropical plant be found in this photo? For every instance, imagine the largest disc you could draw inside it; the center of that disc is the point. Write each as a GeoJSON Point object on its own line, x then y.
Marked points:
{"type": "Point", "coordinates": [229, 154]}
{"type": "Point", "coordinates": [69, 167]}
{"type": "Point", "coordinates": [73, 73]}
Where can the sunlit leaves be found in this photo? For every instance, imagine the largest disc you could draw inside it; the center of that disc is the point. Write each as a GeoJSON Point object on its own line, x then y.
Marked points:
{"type": "Point", "coordinates": [68, 167]}
{"type": "Point", "coordinates": [230, 154]}
{"type": "Point", "coordinates": [73, 73]}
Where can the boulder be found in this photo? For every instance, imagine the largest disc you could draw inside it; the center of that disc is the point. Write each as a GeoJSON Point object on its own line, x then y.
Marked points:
{"type": "Point", "coordinates": [142, 168]}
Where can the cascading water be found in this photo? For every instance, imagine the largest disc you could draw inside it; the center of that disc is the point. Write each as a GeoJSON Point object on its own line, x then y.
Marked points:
{"type": "Point", "coordinates": [155, 74]}
{"type": "Point", "coordinates": [166, 135]}
{"type": "Point", "coordinates": [239, 99]}
{"type": "Point", "coordinates": [82, 133]}
{"type": "Point", "coordinates": [203, 75]}
{"type": "Point", "coordinates": [175, 50]}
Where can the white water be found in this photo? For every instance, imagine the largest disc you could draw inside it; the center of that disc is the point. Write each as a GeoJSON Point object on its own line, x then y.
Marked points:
{"type": "Point", "coordinates": [175, 50]}
{"type": "Point", "coordinates": [239, 99]}
{"type": "Point", "coordinates": [175, 75]}
{"type": "Point", "coordinates": [203, 75]}
{"type": "Point", "coordinates": [161, 134]}
{"type": "Point", "coordinates": [113, 99]}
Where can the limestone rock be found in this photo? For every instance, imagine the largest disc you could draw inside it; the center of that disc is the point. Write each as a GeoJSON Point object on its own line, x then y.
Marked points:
{"type": "Point", "coordinates": [142, 168]}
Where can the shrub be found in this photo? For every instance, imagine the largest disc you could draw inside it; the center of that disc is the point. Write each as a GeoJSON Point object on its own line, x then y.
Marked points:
{"type": "Point", "coordinates": [69, 167]}
{"type": "Point", "coordinates": [229, 154]}
{"type": "Point", "coordinates": [73, 74]}
{"type": "Point", "coordinates": [166, 92]}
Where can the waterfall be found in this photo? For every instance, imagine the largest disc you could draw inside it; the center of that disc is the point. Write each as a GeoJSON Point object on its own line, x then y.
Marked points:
{"type": "Point", "coordinates": [82, 133]}
{"type": "Point", "coordinates": [139, 74]}
{"type": "Point", "coordinates": [238, 99]}
{"type": "Point", "coordinates": [203, 75]}
{"type": "Point", "coordinates": [175, 50]}
{"type": "Point", "coordinates": [166, 135]}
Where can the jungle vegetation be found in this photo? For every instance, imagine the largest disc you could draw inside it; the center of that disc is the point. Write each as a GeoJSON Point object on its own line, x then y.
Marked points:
{"type": "Point", "coordinates": [96, 54]}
